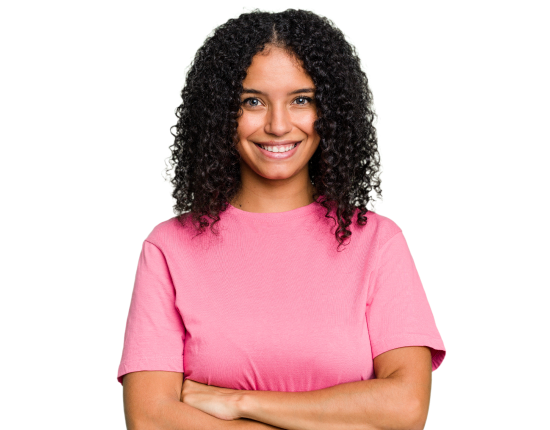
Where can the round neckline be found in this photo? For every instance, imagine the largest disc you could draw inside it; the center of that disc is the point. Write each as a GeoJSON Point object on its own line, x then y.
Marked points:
{"type": "Point", "coordinates": [275, 216]}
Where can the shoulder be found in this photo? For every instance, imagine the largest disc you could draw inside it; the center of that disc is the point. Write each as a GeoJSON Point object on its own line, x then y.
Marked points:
{"type": "Point", "coordinates": [381, 226]}
{"type": "Point", "coordinates": [164, 232]}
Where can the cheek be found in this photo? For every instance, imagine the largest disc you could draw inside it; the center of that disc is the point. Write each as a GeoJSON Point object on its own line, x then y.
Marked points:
{"type": "Point", "coordinates": [247, 124]}
{"type": "Point", "coordinates": [306, 123]}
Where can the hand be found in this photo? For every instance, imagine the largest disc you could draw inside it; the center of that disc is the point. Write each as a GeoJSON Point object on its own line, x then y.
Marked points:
{"type": "Point", "coordinates": [219, 402]}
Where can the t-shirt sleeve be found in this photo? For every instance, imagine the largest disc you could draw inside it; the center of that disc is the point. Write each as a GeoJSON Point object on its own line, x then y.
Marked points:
{"type": "Point", "coordinates": [155, 333]}
{"type": "Point", "coordinates": [398, 313]}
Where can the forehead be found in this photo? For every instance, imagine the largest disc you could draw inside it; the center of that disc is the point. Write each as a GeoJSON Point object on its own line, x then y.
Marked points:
{"type": "Point", "coordinates": [274, 69]}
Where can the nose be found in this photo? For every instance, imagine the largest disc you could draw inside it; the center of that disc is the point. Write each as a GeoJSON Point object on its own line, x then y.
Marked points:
{"type": "Point", "coordinates": [278, 121]}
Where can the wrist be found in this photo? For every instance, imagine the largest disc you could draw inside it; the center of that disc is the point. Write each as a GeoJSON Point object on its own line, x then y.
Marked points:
{"type": "Point", "coordinates": [244, 404]}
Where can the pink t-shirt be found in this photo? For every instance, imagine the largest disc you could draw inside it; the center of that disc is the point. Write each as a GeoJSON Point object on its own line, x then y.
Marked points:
{"type": "Point", "coordinates": [269, 303]}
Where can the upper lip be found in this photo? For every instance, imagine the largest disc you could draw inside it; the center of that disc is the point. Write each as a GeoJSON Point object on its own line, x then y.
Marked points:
{"type": "Point", "coordinates": [281, 143]}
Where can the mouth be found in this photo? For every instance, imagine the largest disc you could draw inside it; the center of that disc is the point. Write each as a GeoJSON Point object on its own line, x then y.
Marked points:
{"type": "Point", "coordinates": [278, 149]}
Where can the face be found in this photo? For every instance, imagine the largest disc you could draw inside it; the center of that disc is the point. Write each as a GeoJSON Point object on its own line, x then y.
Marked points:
{"type": "Point", "coordinates": [278, 113]}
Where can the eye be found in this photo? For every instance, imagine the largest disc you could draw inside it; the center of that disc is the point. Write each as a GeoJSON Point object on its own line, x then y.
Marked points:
{"type": "Point", "coordinates": [254, 102]}
{"type": "Point", "coordinates": [302, 100]}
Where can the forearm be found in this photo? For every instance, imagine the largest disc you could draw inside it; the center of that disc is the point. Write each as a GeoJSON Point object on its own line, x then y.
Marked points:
{"type": "Point", "coordinates": [375, 404]}
{"type": "Point", "coordinates": [176, 415]}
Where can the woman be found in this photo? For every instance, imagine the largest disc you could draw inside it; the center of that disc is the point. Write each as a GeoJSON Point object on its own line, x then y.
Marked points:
{"type": "Point", "coordinates": [295, 309]}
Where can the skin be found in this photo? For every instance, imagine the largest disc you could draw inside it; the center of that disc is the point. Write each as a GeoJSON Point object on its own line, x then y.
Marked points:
{"type": "Point", "coordinates": [276, 114]}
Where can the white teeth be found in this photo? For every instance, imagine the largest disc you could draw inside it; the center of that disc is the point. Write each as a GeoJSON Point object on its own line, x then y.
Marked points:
{"type": "Point", "coordinates": [278, 148]}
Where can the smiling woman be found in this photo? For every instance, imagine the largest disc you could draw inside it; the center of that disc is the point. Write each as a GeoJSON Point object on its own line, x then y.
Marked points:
{"type": "Point", "coordinates": [234, 91]}
{"type": "Point", "coordinates": [265, 323]}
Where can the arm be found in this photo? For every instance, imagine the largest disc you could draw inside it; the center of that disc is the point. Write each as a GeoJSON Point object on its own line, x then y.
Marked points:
{"type": "Point", "coordinates": [152, 402]}
{"type": "Point", "coordinates": [175, 415]}
{"type": "Point", "coordinates": [398, 399]}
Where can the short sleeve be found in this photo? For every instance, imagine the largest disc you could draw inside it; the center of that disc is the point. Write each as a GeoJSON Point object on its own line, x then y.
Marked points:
{"type": "Point", "coordinates": [398, 313]}
{"type": "Point", "coordinates": [155, 334]}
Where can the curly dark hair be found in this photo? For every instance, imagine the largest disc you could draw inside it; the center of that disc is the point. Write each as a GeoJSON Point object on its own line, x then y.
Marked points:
{"type": "Point", "coordinates": [345, 167]}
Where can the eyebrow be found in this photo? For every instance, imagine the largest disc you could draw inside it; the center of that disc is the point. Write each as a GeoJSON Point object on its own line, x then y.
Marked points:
{"type": "Point", "coordinates": [301, 90]}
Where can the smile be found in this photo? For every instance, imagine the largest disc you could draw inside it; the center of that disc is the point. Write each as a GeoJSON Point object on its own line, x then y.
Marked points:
{"type": "Point", "coordinates": [278, 151]}
{"type": "Point", "coordinates": [283, 148]}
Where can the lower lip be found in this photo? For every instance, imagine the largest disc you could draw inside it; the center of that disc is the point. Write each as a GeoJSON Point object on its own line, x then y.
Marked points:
{"type": "Point", "coordinates": [279, 155]}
